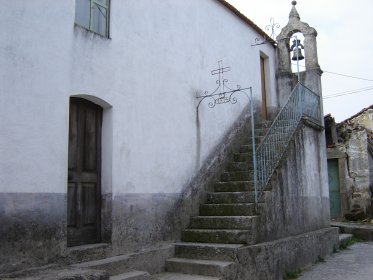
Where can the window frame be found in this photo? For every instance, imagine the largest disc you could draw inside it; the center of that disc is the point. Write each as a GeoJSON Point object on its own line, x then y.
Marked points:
{"type": "Point", "coordinates": [92, 4]}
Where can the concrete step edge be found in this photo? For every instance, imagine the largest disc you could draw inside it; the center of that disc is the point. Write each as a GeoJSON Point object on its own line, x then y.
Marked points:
{"type": "Point", "coordinates": [228, 204]}
{"type": "Point", "coordinates": [104, 261]}
{"type": "Point", "coordinates": [130, 275]}
{"type": "Point", "coordinates": [201, 262]}
{"type": "Point", "coordinates": [226, 217]}
{"type": "Point", "coordinates": [210, 245]}
{"type": "Point", "coordinates": [344, 238]}
{"type": "Point", "coordinates": [232, 193]}
{"type": "Point", "coordinates": [182, 276]}
{"type": "Point", "coordinates": [202, 230]}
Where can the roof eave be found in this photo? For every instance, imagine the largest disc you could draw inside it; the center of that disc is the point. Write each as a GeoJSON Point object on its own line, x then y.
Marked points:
{"type": "Point", "coordinates": [248, 22]}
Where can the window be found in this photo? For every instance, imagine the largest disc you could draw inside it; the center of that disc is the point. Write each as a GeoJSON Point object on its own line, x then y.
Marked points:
{"type": "Point", "coordinates": [93, 15]}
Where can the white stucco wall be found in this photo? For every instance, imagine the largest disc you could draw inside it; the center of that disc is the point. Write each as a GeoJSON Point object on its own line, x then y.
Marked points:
{"type": "Point", "coordinates": [160, 53]}
{"type": "Point", "coordinates": [35, 59]}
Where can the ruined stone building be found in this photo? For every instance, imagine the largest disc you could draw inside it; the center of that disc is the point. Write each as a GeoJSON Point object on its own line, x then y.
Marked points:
{"type": "Point", "coordinates": [350, 164]}
{"type": "Point", "coordinates": [152, 137]}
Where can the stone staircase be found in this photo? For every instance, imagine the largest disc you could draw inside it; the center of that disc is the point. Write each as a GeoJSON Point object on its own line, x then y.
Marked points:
{"type": "Point", "coordinates": [226, 222]}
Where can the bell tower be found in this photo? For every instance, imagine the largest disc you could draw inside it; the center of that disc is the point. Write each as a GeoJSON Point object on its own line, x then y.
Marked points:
{"type": "Point", "coordinates": [311, 75]}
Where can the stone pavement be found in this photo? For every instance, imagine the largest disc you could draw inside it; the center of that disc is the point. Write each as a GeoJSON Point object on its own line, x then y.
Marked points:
{"type": "Point", "coordinates": [362, 231]}
{"type": "Point", "coordinates": [354, 263]}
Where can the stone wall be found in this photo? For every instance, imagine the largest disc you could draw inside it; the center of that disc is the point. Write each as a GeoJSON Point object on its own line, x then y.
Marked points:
{"type": "Point", "coordinates": [358, 171]}
{"type": "Point", "coordinates": [272, 260]}
{"type": "Point", "coordinates": [298, 200]}
{"type": "Point", "coordinates": [354, 139]}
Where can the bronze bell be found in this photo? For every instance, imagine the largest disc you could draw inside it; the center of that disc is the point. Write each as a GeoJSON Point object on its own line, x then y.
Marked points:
{"type": "Point", "coordinates": [297, 47]}
{"type": "Point", "coordinates": [297, 54]}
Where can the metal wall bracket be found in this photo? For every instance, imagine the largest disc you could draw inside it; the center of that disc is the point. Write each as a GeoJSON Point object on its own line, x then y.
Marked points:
{"type": "Point", "coordinates": [270, 27]}
{"type": "Point", "coordinates": [223, 93]}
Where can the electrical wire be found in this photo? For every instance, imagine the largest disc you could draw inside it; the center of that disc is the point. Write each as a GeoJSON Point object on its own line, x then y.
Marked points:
{"type": "Point", "coordinates": [339, 74]}
{"type": "Point", "coordinates": [347, 92]}
{"type": "Point", "coordinates": [348, 76]}
{"type": "Point", "coordinates": [334, 95]}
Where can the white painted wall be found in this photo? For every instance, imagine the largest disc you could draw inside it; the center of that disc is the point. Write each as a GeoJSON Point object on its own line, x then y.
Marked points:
{"type": "Point", "coordinates": [159, 55]}
{"type": "Point", "coordinates": [35, 58]}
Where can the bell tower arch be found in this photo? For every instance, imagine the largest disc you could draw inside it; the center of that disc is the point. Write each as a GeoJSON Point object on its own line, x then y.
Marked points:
{"type": "Point", "coordinates": [311, 76]}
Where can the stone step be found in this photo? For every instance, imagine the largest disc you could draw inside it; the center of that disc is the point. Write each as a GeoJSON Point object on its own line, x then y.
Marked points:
{"type": "Point", "coordinates": [344, 238]}
{"type": "Point", "coordinates": [56, 272]}
{"type": "Point", "coordinates": [246, 148]}
{"type": "Point", "coordinates": [224, 236]}
{"type": "Point", "coordinates": [361, 231]}
{"type": "Point", "coordinates": [113, 265]}
{"type": "Point", "coordinates": [230, 197]}
{"type": "Point", "coordinates": [261, 131]}
{"type": "Point", "coordinates": [231, 209]}
{"type": "Point", "coordinates": [258, 140]}
{"type": "Point", "coordinates": [236, 176]}
{"type": "Point", "coordinates": [207, 251]}
{"type": "Point", "coordinates": [199, 267]}
{"type": "Point", "coordinates": [242, 157]}
{"type": "Point", "coordinates": [181, 276]}
{"type": "Point", "coordinates": [131, 275]}
{"type": "Point", "coordinates": [234, 186]}
{"type": "Point", "coordinates": [142, 260]}
{"type": "Point", "coordinates": [263, 124]}
{"type": "Point", "coordinates": [223, 222]}
{"type": "Point", "coordinates": [257, 130]}
{"type": "Point", "coordinates": [239, 166]}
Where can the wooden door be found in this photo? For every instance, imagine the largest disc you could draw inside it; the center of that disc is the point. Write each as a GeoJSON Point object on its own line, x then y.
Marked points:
{"type": "Point", "coordinates": [264, 90]}
{"type": "Point", "coordinates": [334, 189]}
{"type": "Point", "coordinates": [84, 178]}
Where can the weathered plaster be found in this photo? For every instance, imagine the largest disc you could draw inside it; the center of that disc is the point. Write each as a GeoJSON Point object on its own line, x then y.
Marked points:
{"type": "Point", "coordinates": [358, 170]}
{"type": "Point", "coordinates": [299, 197]}
{"type": "Point", "coordinates": [144, 219]}
{"type": "Point", "coordinates": [365, 119]}
{"type": "Point", "coordinates": [33, 229]}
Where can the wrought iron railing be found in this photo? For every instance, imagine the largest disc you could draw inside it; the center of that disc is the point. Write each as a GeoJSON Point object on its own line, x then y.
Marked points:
{"type": "Point", "coordinates": [301, 103]}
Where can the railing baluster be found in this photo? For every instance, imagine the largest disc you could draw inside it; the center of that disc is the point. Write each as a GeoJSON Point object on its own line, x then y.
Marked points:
{"type": "Point", "coordinates": [302, 102]}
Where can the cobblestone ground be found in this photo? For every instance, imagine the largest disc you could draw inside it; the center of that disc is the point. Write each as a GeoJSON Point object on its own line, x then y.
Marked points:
{"type": "Point", "coordinates": [354, 263]}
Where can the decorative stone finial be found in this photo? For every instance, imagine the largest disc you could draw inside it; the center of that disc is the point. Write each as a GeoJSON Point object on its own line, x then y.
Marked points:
{"type": "Point", "coordinates": [294, 12]}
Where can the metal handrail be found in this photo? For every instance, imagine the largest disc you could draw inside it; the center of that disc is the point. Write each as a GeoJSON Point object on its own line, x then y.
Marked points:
{"type": "Point", "coordinates": [301, 103]}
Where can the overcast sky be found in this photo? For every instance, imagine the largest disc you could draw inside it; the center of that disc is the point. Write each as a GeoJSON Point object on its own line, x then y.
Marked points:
{"type": "Point", "coordinates": [345, 45]}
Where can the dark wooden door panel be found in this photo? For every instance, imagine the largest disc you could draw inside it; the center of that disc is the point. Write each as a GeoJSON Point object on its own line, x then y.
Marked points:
{"type": "Point", "coordinates": [84, 178]}
{"type": "Point", "coordinates": [90, 140]}
{"type": "Point", "coordinates": [89, 201]}
{"type": "Point", "coordinates": [264, 90]}
{"type": "Point", "coordinates": [73, 136]}
{"type": "Point", "coordinates": [71, 204]}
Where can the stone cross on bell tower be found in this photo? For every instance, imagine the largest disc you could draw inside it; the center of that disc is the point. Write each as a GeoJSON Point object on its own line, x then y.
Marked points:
{"type": "Point", "coordinates": [311, 77]}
